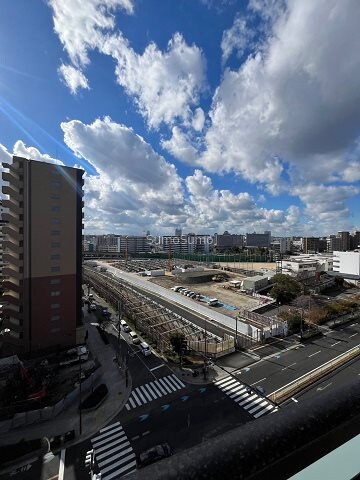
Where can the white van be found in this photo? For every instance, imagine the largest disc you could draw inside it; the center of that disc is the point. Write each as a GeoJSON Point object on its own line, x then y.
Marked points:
{"type": "Point", "coordinates": [134, 337]}
{"type": "Point", "coordinates": [124, 326]}
{"type": "Point", "coordinates": [212, 302]}
{"type": "Point", "coordinates": [145, 349]}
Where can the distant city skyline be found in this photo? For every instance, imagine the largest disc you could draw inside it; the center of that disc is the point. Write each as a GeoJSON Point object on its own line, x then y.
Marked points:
{"type": "Point", "coordinates": [200, 115]}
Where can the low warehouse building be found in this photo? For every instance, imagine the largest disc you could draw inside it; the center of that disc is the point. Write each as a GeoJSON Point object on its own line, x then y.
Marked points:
{"type": "Point", "coordinates": [255, 283]}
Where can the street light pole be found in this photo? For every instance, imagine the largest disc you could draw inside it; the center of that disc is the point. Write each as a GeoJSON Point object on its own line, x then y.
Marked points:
{"type": "Point", "coordinates": [80, 413]}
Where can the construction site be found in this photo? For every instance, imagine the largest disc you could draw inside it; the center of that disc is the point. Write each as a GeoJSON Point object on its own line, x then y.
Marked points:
{"type": "Point", "coordinates": [155, 322]}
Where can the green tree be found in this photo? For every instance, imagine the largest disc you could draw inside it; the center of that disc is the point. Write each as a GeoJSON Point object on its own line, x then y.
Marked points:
{"type": "Point", "coordinates": [285, 288]}
{"type": "Point", "coordinates": [176, 341]}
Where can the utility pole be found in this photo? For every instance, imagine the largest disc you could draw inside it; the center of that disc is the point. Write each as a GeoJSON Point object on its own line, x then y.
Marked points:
{"type": "Point", "coordinates": [205, 360]}
{"type": "Point", "coordinates": [236, 332]}
{"type": "Point", "coordinates": [80, 412]}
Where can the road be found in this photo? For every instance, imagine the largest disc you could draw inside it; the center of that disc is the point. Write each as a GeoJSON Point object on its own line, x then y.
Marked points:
{"type": "Point", "coordinates": [282, 367]}
{"type": "Point", "coordinates": [175, 298]}
{"type": "Point", "coordinates": [341, 376]}
{"type": "Point", "coordinates": [164, 408]}
{"type": "Point", "coordinates": [161, 408]}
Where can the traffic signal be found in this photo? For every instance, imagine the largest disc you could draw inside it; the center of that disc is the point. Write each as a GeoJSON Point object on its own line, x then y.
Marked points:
{"type": "Point", "coordinates": [89, 459]}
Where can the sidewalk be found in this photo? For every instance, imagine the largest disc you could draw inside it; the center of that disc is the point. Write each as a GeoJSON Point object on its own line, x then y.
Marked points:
{"type": "Point", "coordinates": [91, 421]}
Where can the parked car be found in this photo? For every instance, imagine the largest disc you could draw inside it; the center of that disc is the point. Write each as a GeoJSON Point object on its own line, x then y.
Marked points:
{"type": "Point", "coordinates": [154, 454]}
{"type": "Point", "coordinates": [134, 337]}
{"type": "Point", "coordinates": [93, 307]}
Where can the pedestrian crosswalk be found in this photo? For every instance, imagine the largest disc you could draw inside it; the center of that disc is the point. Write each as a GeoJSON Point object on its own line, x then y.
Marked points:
{"type": "Point", "coordinates": [153, 390]}
{"type": "Point", "coordinates": [113, 452]}
{"type": "Point", "coordinates": [245, 397]}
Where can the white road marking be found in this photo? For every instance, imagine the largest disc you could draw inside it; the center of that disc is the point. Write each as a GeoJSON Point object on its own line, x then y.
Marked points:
{"type": "Point", "coordinates": [289, 366]}
{"type": "Point", "coordinates": [294, 400]}
{"type": "Point", "coordinates": [353, 335]}
{"type": "Point", "coordinates": [333, 344]}
{"type": "Point", "coordinates": [155, 368]}
{"type": "Point", "coordinates": [314, 353]}
{"type": "Point", "coordinates": [320, 389]}
{"type": "Point", "coordinates": [62, 464]}
{"type": "Point", "coordinates": [258, 381]}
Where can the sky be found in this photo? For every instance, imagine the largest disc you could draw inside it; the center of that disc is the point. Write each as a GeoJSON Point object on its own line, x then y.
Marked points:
{"type": "Point", "coordinates": [208, 115]}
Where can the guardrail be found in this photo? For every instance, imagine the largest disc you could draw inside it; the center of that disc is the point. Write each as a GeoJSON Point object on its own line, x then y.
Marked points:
{"type": "Point", "coordinates": [279, 396]}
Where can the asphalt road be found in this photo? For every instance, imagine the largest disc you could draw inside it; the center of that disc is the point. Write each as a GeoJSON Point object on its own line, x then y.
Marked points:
{"type": "Point", "coordinates": [183, 416]}
{"type": "Point", "coordinates": [174, 297]}
{"type": "Point", "coordinates": [342, 376]}
{"type": "Point", "coordinates": [281, 368]}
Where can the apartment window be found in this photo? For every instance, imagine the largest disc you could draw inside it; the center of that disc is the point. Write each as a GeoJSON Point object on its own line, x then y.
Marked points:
{"type": "Point", "coordinates": [55, 232]}
{"type": "Point", "coordinates": [55, 330]}
{"type": "Point", "coordinates": [55, 172]}
{"type": "Point", "coordinates": [55, 281]}
{"type": "Point", "coordinates": [55, 208]}
{"type": "Point", "coordinates": [55, 244]}
{"type": "Point", "coordinates": [55, 196]}
{"type": "Point", "coordinates": [55, 305]}
{"type": "Point", "coordinates": [55, 318]}
{"type": "Point", "coordinates": [55, 184]}
{"type": "Point", "coordinates": [55, 257]}
{"type": "Point", "coordinates": [55, 269]}
{"type": "Point", "coordinates": [55, 293]}
{"type": "Point", "coordinates": [55, 221]}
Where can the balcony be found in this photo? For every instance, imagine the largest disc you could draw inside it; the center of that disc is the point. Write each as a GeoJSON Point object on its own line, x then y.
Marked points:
{"type": "Point", "coordinates": [11, 299]}
{"type": "Point", "coordinates": [12, 311]}
{"type": "Point", "coordinates": [13, 193]}
{"type": "Point", "coordinates": [12, 260]}
{"type": "Point", "coordinates": [13, 234]}
{"type": "Point", "coordinates": [10, 272]}
{"type": "Point", "coordinates": [9, 284]}
{"type": "Point", "coordinates": [14, 247]}
{"type": "Point", "coordinates": [12, 219]}
{"type": "Point", "coordinates": [12, 207]}
{"type": "Point", "coordinates": [12, 179]}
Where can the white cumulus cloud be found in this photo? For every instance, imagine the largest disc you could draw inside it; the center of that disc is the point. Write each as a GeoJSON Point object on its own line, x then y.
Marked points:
{"type": "Point", "coordinates": [73, 78]}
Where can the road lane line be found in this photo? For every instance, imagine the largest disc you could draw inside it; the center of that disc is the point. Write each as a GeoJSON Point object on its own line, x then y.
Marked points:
{"type": "Point", "coordinates": [294, 400]}
{"type": "Point", "coordinates": [155, 368]}
{"type": "Point", "coordinates": [353, 335]}
{"type": "Point", "coordinates": [314, 353]}
{"type": "Point", "coordinates": [289, 366]}
{"type": "Point", "coordinates": [333, 344]}
{"type": "Point", "coordinates": [258, 381]}
{"type": "Point", "coordinates": [62, 464]}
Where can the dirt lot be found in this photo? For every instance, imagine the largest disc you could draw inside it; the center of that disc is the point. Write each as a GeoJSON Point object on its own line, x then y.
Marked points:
{"type": "Point", "coordinates": [231, 297]}
{"type": "Point", "coordinates": [249, 265]}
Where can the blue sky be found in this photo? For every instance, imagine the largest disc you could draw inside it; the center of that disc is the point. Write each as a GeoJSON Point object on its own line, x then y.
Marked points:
{"type": "Point", "coordinates": [204, 114]}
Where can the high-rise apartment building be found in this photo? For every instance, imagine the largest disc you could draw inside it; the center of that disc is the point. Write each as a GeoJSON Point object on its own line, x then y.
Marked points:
{"type": "Point", "coordinates": [2, 224]}
{"type": "Point", "coordinates": [227, 241]}
{"type": "Point", "coordinates": [344, 241]}
{"type": "Point", "coordinates": [42, 252]}
{"type": "Point", "coordinates": [258, 240]}
{"type": "Point", "coordinates": [311, 244]}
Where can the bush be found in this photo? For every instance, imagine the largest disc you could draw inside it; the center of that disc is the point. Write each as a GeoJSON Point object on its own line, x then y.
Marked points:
{"type": "Point", "coordinates": [93, 400]}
